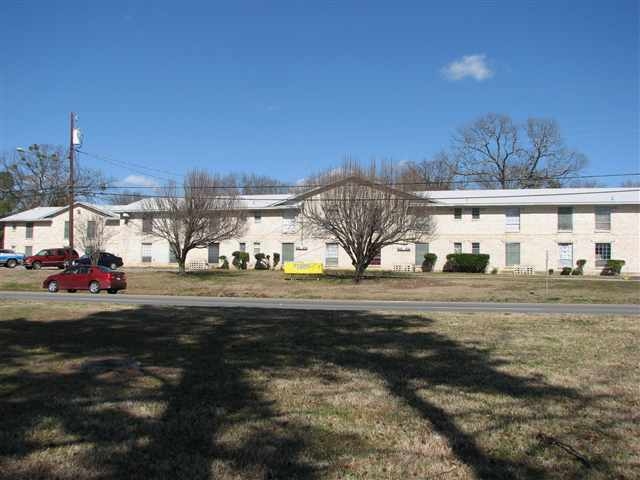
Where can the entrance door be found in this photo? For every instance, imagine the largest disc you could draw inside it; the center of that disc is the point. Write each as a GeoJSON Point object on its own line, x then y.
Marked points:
{"type": "Point", "coordinates": [421, 250]}
{"type": "Point", "coordinates": [566, 254]}
{"type": "Point", "coordinates": [288, 252]}
{"type": "Point", "coordinates": [213, 255]}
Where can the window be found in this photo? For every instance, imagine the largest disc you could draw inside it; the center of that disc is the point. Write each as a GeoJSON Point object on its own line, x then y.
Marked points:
{"type": "Point", "coordinates": [28, 251]}
{"type": "Point", "coordinates": [512, 219]}
{"type": "Point", "coordinates": [288, 252]}
{"type": "Point", "coordinates": [13, 226]}
{"type": "Point", "coordinates": [147, 224]}
{"type": "Point", "coordinates": [29, 231]}
{"type": "Point", "coordinates": [603, 218]}
{"type": "Point", "coordinates": [172, 256]}
{"type": "Point", "coordinates": [457, 213]}
{"type": "Point", "coordinates": [512, 253]}
{"type": "Point", "coordinates": [421, 250]}
{"type": "Point", "coordinates": [457, 247]}
{"type": "Point", "coordinates": [147, 255]}
{"type": "Point", "coordinates": [289, 222]}
{"type": "Point", "coordinates": [565, 219]}
{"type": "Point", "coordinates": [91, 229]}
{"type": "Point", "coordinates": [565, 254]}
{"type": "Point", "coordinates": [331, 255]}
{"type": "Point", "coordinates": [603, 253]}
{"type": "Point", "coordinates": [213, 253]}
{"type": "Point", "coordinates": [475, 213]}
{"type": "Point", "coordinates": [475, 248]}
{"type": "Point", "coordinates": [257, 217]}
{"type": "Point", "coordinates": [256, 248]}
{"type": "Point", "coordinates": [243, 247]}
{"type": "Point", "coordinates": [377, 260]}
{"type": "Point", "coordinates": [66, 230]}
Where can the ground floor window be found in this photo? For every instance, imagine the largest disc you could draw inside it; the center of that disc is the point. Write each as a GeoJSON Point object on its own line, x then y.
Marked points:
{"type": "Point", "coordinates": [512, 253]}
{"type": "Point", "coordinates": [147, 254]}
{"type": "Point", "coordinates": [288, 252]}
{"type": "Point", "coordinates": [243, 247]}
{"type": "Point", "coordinates": [475, 248]}
{"type": "Point", "coordinates": [603, 254]}
{"type": "Point", "coordinates": [565, 254]}
{"type": "Point", "coordinates": [256, 248]}
{"type": "Point", "coordinates": [457, 247]}
{"type": "Point", "coordinates": [213, 253]}
{"type": "Point", "coordinates": [28, 251]}
{"type": "Point", "coordinates": [421, 250]}
{"type": "Point", "coordinates": [331, 255]}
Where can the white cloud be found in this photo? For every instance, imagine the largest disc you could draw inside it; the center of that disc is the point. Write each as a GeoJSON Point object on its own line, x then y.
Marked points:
{"type": "Point", "coordinates": [138, 181]}
{"type": "Point", "coordinates": [474, 66]}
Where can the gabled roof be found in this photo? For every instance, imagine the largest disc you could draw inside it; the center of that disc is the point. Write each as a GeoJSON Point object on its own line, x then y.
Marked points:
{"type": "Point", "coordinates": [293, 199]}
{"type": "Point", "coordinates": [46, 213]}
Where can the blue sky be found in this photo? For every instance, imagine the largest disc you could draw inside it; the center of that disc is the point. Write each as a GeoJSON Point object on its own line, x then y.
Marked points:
{"type": "Point", "coordinates": [287, 88]}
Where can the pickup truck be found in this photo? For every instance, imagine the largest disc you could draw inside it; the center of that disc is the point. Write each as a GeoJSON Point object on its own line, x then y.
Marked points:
{"type": "Point", "coordinates": [10, 259]}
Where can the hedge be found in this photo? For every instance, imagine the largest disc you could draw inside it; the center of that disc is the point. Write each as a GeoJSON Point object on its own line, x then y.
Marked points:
{"type": "Point", "coordinates": [614, 267]}
{"type": "Point", "coordinates": [240, 260]}
{"type": "Point", "coordinates": [466, 262]}
{"type": "Point", "coordinates": [429, 262]}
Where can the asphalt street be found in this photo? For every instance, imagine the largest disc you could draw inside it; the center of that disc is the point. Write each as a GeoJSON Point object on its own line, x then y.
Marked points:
{"type": "Point", "coordinates": [331, 305]}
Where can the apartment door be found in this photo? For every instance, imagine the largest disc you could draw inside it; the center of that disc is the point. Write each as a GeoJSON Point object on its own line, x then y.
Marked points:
{"type": "Point", "coordinates": [288, 252]}
{"type": "Point", "coordinates": [421, 250]}
{"type": "Point", "coordinates": [213, 254]}
{"type": "Point", "coordinates": [566, 254]}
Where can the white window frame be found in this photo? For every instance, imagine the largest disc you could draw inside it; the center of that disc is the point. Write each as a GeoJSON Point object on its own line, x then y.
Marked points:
{"type": "Point", "coordinates": [473, 248]}
{"type": "Point", "coordinates": [331, 261]}
{"type": "Point", "coordinates": [512, 219]}
{"type": "Point", "coordinates": [142, 252]}
{"type": "Point", "coordinates": [600, 211]}
{"type": "Point", "coordinates": [567, 211]}
{"type": "Point", "coordinates": [600, 261]}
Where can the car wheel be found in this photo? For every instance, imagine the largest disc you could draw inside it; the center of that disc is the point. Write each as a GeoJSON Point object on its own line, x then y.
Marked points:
{"type": "Point", "coordinates": [112, 291]}
{"type": "Point", "coordinates": [113, 266]}
{"type": "Point", "coordinates": [53, 286]}
{"type": "Point", "coordinates": [36, 265]}
{"type": "Point", "coordinates": [94, 287]}
{"type": "Point", "coordinates": [11, 263]}
{"type": "Point", "coordinates": [72, 290]}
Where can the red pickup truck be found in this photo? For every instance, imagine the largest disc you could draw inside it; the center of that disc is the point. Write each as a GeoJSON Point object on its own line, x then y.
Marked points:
{"type": "Point", "coordinates": [50, 257]}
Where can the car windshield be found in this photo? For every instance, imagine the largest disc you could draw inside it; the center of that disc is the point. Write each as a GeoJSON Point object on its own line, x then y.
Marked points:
{"type": "Point", "coordinates": [42, 253]}
{"type": "Point", "coordinates": [105, 269]}
{"type": "Point", "coordinates": [6, 251]}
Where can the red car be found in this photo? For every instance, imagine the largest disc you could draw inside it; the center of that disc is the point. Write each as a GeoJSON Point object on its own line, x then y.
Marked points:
{"type": "Point", "coordinates": [50, 257]}
{"type": "Point", "coordinates": [86, 277]}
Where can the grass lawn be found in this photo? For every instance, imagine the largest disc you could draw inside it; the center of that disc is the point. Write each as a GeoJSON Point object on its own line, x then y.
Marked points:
{"type": "Point", "coordinates": [378, 286]}
{"type": "Point", "coordinates": [104, 391]}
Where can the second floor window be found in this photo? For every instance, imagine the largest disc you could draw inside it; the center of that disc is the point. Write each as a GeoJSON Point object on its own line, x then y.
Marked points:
{"type": "Point", "coordinates": [29, 231]}
{"type": "Point", "coordinates": [147, 225]}
{"type": "Point", "coordinates": [475, 213]}
{"type": "Point", "coordinates": [91, 229]}
{"type": "Point", "coordinates": [603, 218]}
{"type": "Point", "coordinates": [66, 230]}
{"type": "Point", "coordinates": [257, 217]}
{"type": "Point", "coordinates": [457, 213]}
{"type": "Point", "coordinates": [512, 219]}
{"type": "Point", "coordinates": [565, 219]}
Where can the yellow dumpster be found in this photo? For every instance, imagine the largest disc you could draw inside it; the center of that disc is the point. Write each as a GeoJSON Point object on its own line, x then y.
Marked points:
{"type": "Point", "coordinates": [303, 268]}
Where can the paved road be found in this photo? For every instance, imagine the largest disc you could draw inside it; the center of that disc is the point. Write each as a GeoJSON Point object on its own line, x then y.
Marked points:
{"type": "Point", "coordinates": [296, 304]}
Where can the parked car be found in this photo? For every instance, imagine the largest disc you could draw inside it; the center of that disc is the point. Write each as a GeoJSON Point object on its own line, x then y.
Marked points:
{"type": "Point", "coordinates": [10, 259]}
{"type": "Point", "coordinates": [106, 260]}
{"type": "Point", "coordinates": [82, 277]}
{"type": "Point", "coordinates": [50, 257]}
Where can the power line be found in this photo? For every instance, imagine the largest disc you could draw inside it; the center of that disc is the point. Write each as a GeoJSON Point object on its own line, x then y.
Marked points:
{"type": "Point", "coordinates": [391, 184]}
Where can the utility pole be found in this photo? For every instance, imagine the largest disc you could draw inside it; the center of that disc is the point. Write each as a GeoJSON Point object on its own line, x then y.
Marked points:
{"type": "Point", "coordinates": [72, 148]}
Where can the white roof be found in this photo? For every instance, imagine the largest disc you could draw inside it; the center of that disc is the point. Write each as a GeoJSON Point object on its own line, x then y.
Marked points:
{"type": "Point", "coordinates": [448, 198]}
{"type": "Point", "coordinates": [536, 196]}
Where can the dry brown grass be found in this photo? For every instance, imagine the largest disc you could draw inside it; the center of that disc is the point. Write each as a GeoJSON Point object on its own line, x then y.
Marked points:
{"type": "Point", "coordinates": [378, 286]}
{"type": "Point", "coordinates": [247, 394]}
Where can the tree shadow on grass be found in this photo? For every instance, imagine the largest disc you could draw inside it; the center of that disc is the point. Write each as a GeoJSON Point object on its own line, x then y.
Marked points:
{"type": "Point", "coordinates": [195, 411]}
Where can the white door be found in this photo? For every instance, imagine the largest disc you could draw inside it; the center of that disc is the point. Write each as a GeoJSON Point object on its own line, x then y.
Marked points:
{"type": "Point", "coordinates": [566, 254]}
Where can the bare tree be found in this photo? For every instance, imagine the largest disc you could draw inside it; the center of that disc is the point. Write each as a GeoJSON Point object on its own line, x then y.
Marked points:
{"type": "Point", "coordinates": [631, 184]}
{"type": "Point", "coordinates": [439, 173]}
{"type": "Point", "coordinates": [364, 213]}
{"type": "Point", "coordinates": [125, 197]}
{"type": "Point", "coordinates": [204, 210]}
{"type": "Point", "coordinates": [93, 235]}
{"type": "Point", "coordinates": [494, 152]}
{"type": "Point", "coordinates": [40, 177]}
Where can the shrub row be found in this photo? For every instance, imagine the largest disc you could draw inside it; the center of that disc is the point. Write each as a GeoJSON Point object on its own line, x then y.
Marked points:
{"type": "Point", "coordinates": [466, 262]}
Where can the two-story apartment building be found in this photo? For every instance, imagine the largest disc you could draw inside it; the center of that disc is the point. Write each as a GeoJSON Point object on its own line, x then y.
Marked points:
{"type": "Point", "coordinates": [515, 227]}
